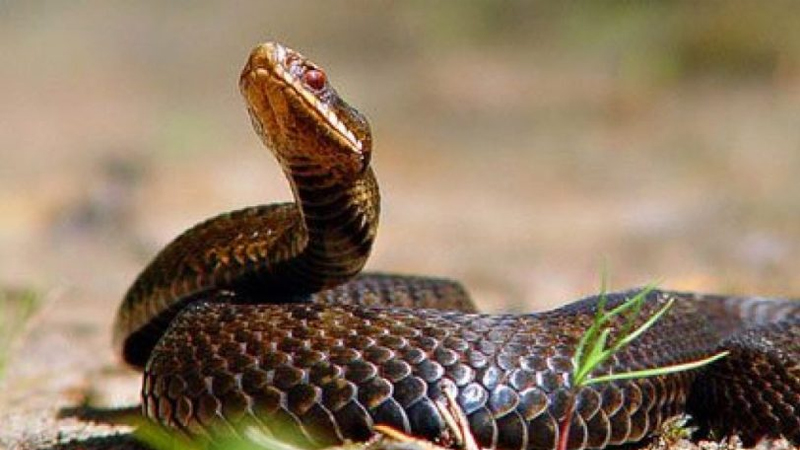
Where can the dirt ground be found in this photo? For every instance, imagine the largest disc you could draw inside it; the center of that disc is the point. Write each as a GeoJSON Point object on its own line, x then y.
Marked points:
{"type": "Point", "coordinates": [521, 148]}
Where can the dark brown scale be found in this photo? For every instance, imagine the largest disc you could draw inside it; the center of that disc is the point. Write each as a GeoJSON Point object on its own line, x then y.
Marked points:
{"type": "Point", "coordinates": [757, 405]}
{"type": "Point", "coordinates": [259, 317]}
{"type": "Point", "coordinates": [502, 406]}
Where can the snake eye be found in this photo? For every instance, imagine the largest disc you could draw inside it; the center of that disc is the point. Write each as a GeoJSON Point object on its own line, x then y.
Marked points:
{"type": "Point", "coordinates": [315, 79]}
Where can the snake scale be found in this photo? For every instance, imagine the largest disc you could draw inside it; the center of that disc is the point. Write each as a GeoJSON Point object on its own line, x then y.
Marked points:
{"type": "Point", "coordinates": [261, 317]}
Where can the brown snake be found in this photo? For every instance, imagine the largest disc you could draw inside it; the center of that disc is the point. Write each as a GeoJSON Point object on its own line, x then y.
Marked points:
{"type": "Point", "coordinates": [260, 317]}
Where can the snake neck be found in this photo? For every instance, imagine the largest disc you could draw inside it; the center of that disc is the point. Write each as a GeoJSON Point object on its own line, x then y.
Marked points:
{"type": "Point", "coordinates": [323, 146]}
{"type": "Point", "coordinates": [339, 222]}
{"type": "Point", "coordinates": [323, 240]}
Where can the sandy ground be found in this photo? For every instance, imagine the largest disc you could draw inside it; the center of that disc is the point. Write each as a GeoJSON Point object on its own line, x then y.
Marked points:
{"type": "Point", "coordinates": [521, 164]}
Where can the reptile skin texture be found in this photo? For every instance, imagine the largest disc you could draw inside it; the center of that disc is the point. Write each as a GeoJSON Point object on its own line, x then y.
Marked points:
{"type": "Point", "coordinates": [262, 318]}
{"type": "Point", "coordinates": [329, 372]}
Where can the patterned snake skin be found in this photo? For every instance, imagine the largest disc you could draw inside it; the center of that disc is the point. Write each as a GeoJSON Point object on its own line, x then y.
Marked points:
{"type": "Point", "coordinates": [260, 317]}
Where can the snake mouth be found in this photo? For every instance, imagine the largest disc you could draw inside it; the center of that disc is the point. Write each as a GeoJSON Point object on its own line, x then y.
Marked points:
{"type": "Point", "coordinates": [272, 63]}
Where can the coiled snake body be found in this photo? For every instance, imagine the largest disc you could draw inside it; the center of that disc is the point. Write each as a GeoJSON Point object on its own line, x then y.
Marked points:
{"type": "Point", "coordinates": [260, 317]}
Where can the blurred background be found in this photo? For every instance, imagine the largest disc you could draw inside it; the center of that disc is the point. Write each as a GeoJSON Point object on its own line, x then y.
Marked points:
{"type": "Point", "coordinates": [521, 147]}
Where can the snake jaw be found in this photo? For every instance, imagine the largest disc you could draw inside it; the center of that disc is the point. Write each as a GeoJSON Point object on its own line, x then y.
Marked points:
{"type": "Point", "coordinates": [283, 99]}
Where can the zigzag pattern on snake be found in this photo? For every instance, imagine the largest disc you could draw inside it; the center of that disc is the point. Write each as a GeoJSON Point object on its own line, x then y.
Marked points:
{"type": "Point", "coordinates": [261, 317]}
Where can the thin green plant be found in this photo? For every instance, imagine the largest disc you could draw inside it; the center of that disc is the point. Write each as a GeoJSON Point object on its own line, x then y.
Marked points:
{"type": "Point", "coordinates": [221, 437]}
{"type": "Point", "coordinates": [594, 349]}
{"type": "Point", "coordinates": [16, 308]}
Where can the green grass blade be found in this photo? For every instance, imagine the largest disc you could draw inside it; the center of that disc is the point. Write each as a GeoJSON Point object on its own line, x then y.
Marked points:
{"type": "Point", "coordinates": [625, 306]}
{"type": "Point", "coordinates": [601, 319]}
{"type": "Point", "coordinates": [17, 307]}
{"type": "Point", "coordinates": [591, 350]}
{"type": "Point", "coordinates": [598, 322]}
{"type": "Point", "coordinates": [589, 336]}
{"type": "Point", "coordinates": [630, 337]}
{"type": "Point", "coordinates": [594, 357]}
{"type": "Point", "coordinates": [638, 301]}
{"type": "Point", "coordinates": [665, 370]}
{"type": "Point", "coordinates": [159, 438]}
{"type": "Point", "coordinates": [260, 440]}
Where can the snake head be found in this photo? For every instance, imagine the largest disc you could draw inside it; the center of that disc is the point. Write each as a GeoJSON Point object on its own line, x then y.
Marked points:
{"type": "Point", "coordinates": [299, 115]}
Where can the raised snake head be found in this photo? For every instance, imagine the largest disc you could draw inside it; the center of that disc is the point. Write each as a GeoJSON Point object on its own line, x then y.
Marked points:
{"type": "Point", "coordinates": [294, 107]}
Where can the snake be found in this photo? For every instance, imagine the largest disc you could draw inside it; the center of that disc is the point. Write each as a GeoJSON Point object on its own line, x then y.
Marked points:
{"type": "Point", "coordinates": [262, 317]}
